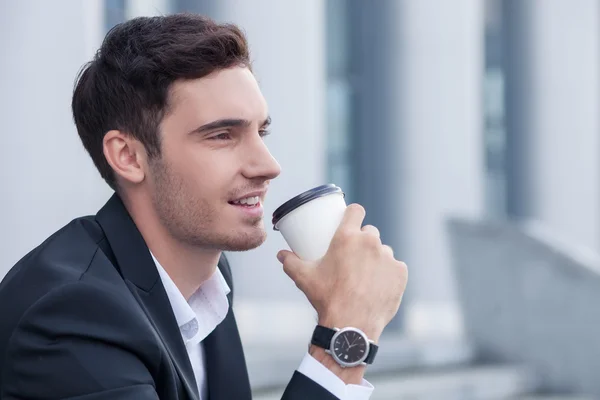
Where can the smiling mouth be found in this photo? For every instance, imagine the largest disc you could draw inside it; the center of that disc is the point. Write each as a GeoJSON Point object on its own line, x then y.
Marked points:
{"type": "Point", "coordinates": [249, 202]}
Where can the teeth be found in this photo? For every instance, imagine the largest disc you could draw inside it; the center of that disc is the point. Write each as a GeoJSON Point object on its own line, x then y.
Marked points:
{"type": "Point", "coordinates": [248, 200]}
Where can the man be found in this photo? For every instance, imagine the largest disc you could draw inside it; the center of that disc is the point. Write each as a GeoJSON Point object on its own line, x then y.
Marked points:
{"type": "Point", "coordinates": [135, 302]}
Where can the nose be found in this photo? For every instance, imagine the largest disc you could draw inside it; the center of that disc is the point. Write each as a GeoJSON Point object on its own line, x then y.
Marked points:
{"type": "Point", "coordinates": [259, 161]}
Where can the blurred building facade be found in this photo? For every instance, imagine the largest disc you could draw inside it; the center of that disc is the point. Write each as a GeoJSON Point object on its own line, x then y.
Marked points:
{"type": "Point", "coordinates": [418, 109]}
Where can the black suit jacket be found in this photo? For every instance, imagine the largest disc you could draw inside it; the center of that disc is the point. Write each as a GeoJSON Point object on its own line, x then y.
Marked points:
{"type": "Point", "coordinates": [85, 316]}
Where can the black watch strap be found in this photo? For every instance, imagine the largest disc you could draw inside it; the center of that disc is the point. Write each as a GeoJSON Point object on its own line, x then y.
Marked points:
{"type": "Point", "coordinates": [372, 353]}
{"type": "Point", "coordinates": [322, 336]}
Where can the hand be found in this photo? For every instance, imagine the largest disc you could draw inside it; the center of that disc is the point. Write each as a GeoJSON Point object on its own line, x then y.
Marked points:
{"type": "Point", "coordinates": [357, 283]}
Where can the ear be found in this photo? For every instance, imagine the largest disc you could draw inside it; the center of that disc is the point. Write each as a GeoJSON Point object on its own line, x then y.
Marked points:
{"type": "Point", "coordinates": [126, 156]}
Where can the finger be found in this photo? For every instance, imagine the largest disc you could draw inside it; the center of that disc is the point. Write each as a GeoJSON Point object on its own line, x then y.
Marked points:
{"type": "Point", "coordinates": [371, 230]}
{"type": "Point", "coordinates": [388, 250]}
{"type": "Point", "coordinates": [353, 217]}
{"type": "Point", "coordinates": [296, 268]}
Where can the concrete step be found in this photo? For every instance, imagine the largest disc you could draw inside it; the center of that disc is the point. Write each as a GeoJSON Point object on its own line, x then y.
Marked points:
{"type": "Point", "coordinates": [271, 365]}
{"type": "Point", "coordinates": [467, 383]}
{"type": "Point", "coordinates": [547, 397]}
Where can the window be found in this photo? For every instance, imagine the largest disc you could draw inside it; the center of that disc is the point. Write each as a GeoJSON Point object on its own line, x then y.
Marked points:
{"type": "Point", "coordinates": [114, 13]}
{"type": "Point", "coordinates": [494, 113]}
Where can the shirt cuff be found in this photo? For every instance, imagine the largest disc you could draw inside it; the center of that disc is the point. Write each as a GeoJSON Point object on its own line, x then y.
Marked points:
{"type": "Point", "coordinates": [321, 375]}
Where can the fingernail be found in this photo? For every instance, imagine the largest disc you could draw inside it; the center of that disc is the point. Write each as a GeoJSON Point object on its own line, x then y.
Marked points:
{"type": "Point", "coordinates": [280, 257]}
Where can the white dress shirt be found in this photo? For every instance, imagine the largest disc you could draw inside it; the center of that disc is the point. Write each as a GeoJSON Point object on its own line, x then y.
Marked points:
{"type": "Point", "coordinates": [207, 308]}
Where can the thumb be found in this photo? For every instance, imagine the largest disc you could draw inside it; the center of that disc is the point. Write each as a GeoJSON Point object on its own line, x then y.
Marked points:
{"type": "Point", "coordinates": [296, 268]}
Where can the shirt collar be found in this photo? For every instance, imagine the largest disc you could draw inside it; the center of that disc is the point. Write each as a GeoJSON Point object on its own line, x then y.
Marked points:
{"type": "Point", "coordinates": [206, 308]}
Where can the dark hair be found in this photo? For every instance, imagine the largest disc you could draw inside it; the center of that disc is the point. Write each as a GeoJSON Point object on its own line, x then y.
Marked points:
{"type": "Point", "coordinates": [126, 85]}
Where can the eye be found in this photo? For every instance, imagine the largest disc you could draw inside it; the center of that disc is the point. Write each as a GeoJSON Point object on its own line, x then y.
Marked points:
{"type": "Point", "coordinates": [221, 136]}
{"type": "Point", "coordinates": [264, 132]}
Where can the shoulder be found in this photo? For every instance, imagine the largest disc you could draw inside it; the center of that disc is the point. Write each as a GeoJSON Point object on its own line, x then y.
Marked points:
{"type": "Point", "coordinates": [65, 255]}
{"type": "Point", "coordinates": [66, 279]}
{"type": "Point", "coordinates": [63, 258]}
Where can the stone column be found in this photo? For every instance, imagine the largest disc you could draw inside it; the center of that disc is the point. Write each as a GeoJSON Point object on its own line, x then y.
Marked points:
{"type": "Point", "coordinates": [553, 127]}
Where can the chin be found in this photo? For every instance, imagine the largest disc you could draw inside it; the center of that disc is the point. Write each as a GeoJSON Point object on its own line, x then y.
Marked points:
{"type": "Point", "coordinates": [244, 241]}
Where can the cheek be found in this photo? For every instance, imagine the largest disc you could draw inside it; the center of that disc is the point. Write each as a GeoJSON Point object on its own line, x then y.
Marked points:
{"type": "Point", "coordinates": [211, 172]}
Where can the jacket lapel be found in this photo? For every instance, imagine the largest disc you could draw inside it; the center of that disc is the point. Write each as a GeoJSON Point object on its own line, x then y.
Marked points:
{"type": "Point", "coordinates": [137, 267]}
{"type": "Point", "coordinates": [226, 367]}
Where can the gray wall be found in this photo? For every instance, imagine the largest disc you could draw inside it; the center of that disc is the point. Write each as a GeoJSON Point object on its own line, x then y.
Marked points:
{"type": "Point", "coordinates": [46, 176]}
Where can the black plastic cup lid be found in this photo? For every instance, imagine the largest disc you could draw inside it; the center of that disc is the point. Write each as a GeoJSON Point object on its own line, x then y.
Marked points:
{"type": "Point", "coordinates": [303, 198]}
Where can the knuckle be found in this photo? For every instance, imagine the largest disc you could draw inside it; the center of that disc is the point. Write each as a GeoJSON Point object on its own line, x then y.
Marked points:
{"type": "Point", "coordinates": [403, 267]}
{"type": "Point", "coordinates": [287, 269]}
{"type": "Point", "coordinates": [371, 229]}
{"type": "Point", "coordinates": [388, 250]}
{"type": "Point", "coordinates": [403, 270]}
{"type": "Point", "coordinates": [344, 234]}
{"type": "Point", "coordinates": [372, 242]}
{"type": "Point", "coordinates": [356, 208]}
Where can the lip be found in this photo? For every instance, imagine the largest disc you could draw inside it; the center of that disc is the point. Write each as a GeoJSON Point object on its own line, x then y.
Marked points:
{"type": "Point", "coordinates": [256, 211]}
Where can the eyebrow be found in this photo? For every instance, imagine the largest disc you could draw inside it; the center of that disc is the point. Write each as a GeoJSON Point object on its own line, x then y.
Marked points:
{"type": "Point", "coordinates": [228, 123]}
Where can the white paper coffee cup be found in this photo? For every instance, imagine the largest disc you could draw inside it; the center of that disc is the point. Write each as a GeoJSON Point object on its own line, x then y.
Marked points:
{"type": "Point", "coordinates": [309, 220]}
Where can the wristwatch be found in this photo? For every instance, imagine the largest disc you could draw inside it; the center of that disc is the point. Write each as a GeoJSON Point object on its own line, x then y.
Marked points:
{"type": "Point", "coordinates": [349, 346]}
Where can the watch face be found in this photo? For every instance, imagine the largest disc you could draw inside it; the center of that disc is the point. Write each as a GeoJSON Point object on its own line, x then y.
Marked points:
{"type": "Point", "coordinates": [350, 347]}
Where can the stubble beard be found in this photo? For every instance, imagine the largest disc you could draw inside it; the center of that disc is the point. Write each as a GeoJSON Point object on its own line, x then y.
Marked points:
{"type": "Point", "coordinates": [193, 221]}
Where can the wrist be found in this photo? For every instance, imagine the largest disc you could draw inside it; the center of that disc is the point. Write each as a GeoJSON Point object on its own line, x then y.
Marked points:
{"type": "Point", "coordinates": [370, 328]}
{"type": "Point", "coordinates": [350, 376]}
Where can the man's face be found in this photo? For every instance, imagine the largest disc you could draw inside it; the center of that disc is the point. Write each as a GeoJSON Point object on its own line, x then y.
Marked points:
{"type": "Point", "coordinates": [213, 160]}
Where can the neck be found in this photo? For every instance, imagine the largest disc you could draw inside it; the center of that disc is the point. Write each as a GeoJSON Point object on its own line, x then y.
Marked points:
{"type": "Point", "coordinates": [188, 266]}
